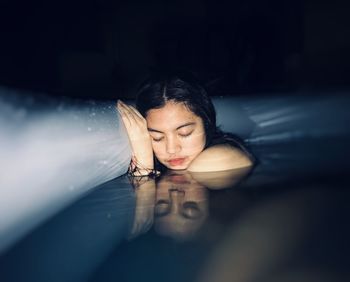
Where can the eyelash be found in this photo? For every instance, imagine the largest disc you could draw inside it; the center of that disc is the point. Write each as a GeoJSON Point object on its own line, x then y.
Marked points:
{"type": "Point", "coordinates": [181, 135]}
{"type": "Point", "coordinates": [185, 135]}
{"type": "Point", "coordinates": [158, 139]}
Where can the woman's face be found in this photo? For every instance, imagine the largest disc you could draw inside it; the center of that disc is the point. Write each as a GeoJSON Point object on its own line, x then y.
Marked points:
{"type": "Point", "coordinates": [178, 135]}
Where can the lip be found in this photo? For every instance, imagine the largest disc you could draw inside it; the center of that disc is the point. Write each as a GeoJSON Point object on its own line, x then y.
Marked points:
{"type": "Point", "coordinates": [176, 161]}
{"type": "Point", "coordinates": [179, 179]}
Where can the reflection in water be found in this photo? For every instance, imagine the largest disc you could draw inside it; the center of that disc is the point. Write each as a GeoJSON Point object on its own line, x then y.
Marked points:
{"type": "Point", "coordinates": [85, 234]}
{"type": "Point", "coordinates": [177, 202]}
{"type": "Point", "coordinates": [181, 205]}
{"type": "Point", "coordinates": [144, 209]}
{"type": "Point", "coordinates": [298, 233]}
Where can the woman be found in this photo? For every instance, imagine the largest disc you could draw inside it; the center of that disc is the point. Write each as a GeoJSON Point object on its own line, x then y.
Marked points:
{"type": "Point", "coordinates": [174, 127]}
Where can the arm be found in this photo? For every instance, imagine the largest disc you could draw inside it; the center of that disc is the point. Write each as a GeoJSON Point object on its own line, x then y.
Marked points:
{"type": "Point", "coordinates": [220, 158]}
{"type": "Point", "coordinates": [220, 167]}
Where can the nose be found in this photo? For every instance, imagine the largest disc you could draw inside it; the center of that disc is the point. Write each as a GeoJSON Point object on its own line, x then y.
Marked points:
{"type": "Point", "coordinates": [172, 145]}
{"type": "Point", "coordinates": [176, 199]}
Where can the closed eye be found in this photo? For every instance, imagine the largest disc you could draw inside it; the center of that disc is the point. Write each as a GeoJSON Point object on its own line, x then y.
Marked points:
{"type": "Point", "coordinates": [185, 135]}
{"type": "Point", "coordinates": [191, 210]}
{"type": "Point", "coordinates": [162, 208]}
{"type": "Point", "coordinates": [157, 139]}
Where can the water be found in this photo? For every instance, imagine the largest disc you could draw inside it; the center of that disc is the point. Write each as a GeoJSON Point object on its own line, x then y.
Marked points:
{"type": "Point", "coordinates": [287, 220]}
{"type": "Point", "coordinates": [182, 231]}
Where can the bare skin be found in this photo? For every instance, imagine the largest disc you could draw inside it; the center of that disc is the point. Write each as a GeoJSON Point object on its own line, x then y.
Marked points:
{"type": "Point", "coordinates": [176, 136]}
{"type": "Point", "coordinates": [139, 137]}
{"type": "Point", "coordinates": [220, 158]}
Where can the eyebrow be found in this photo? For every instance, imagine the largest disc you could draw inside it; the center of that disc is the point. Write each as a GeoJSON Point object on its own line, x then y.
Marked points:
{"type": "Point", "coordinates": [177, 128]}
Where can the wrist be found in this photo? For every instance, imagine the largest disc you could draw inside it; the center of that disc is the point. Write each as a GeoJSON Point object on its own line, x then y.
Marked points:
{"type": "Point", "coordinates": [138, 169]}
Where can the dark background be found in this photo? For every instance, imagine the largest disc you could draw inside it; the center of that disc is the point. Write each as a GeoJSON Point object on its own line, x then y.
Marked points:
{"type": "Point", "coordinates": [104, 48]}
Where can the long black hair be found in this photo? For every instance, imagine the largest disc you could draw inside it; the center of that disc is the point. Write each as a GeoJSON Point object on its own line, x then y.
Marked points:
{"type": "Point", "coordinates": [181, 87]}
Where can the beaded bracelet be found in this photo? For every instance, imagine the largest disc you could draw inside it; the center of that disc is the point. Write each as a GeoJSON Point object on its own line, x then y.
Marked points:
{"type": "Point", "coordinates": [138, 170]}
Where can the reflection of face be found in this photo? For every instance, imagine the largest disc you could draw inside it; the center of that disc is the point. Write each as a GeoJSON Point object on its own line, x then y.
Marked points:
{"type": "Point", "coordinates": [178, 135]}
{"type": "Point", "coordinates": [181, 205]}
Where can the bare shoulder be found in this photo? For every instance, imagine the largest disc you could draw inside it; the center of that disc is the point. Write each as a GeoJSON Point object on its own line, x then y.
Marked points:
{"type": "Point", "coordinates": [218, 158]}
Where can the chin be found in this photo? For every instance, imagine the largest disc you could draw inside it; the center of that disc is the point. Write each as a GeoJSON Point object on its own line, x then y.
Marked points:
{"type": "Point", "coordinates": [177, 168]}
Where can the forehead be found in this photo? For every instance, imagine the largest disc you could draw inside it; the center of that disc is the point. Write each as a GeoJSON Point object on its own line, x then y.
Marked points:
{"type": "Point", "coordinates": [171, 115]}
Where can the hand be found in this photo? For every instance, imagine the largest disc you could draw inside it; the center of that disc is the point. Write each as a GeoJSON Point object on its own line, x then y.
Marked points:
{"type": "Point", "coordinates": [141, 144]}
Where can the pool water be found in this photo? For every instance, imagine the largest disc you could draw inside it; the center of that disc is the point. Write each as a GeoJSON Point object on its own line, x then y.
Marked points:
{"type": "Point", "coordinates": [286, 220]}
{"type": "Point", "coordinates": [261, 229]}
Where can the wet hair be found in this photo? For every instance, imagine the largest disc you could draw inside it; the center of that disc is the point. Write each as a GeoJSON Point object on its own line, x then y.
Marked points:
{"type": "Point", "coordinates": [182, 87]}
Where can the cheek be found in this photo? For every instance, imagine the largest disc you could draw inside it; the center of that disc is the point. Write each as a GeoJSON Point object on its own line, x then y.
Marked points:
{"type": "Point", "coordinates": [195, 143]}
{"type": "Point", "coordinates": [158, 149]}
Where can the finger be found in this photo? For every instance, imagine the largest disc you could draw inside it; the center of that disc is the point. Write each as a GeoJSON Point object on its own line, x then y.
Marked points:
{"type": "Point", "coordinates": [119, 104]}
{"type": "Point", "coordinates": [125, 108]}
{"type": "Point", "coordinates": [126, 112]}
{"type": "Point", "coordinates": [134, 115]}
{"type": "Point", "coordinates": [137, 113]}
{"type": "Point", "coordinates": [120, 108]}
{"type": "Point", "coordinates": [126, 117]}
{"type": "Point", "coordinates": [122, 105]}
